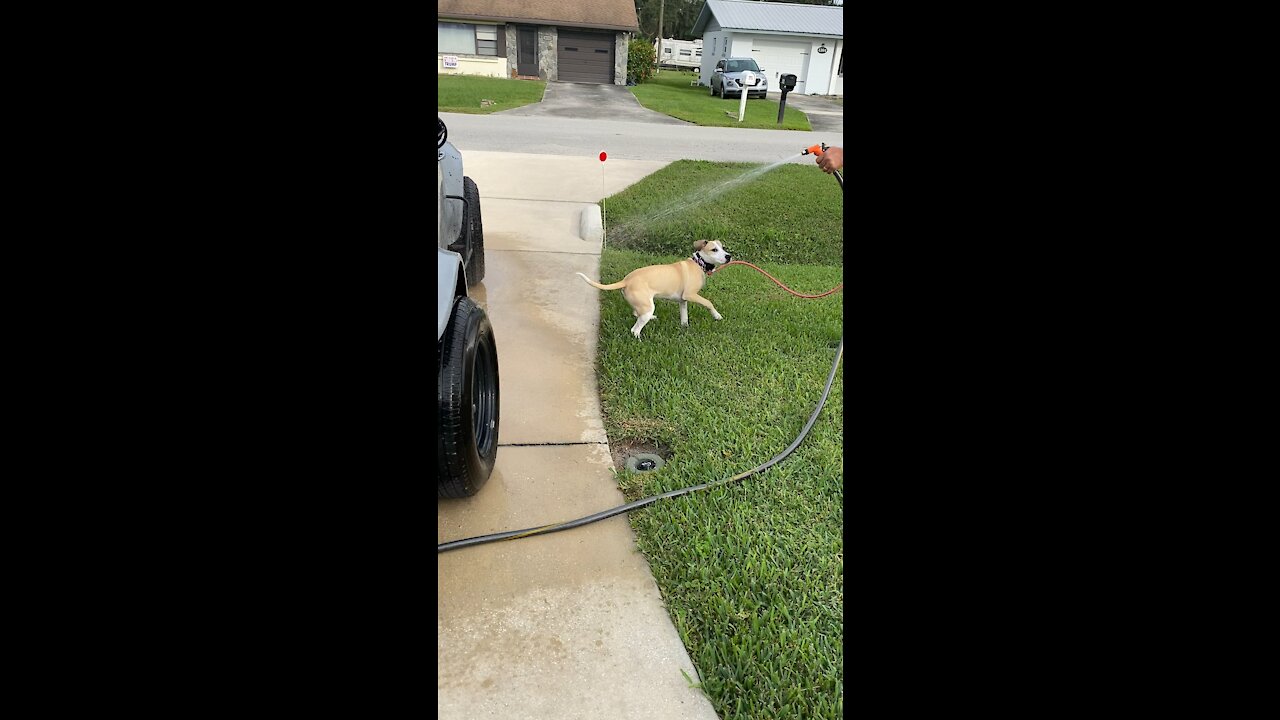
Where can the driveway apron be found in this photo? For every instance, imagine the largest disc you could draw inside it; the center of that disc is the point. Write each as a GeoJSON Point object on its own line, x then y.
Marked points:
{"type": "Point", "coordinates": [571, 624]}
{"type": "Point", "coordinates": [584, 101]}
{"type": "Point", "coordinates": [824, 115]}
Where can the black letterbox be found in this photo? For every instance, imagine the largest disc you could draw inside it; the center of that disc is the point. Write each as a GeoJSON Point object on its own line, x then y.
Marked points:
{"type": "Point", "coordinates": [787, 81]}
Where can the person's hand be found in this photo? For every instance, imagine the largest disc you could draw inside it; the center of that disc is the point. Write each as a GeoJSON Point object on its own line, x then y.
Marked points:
{"type": "Point", "coordinates": [831, 160]}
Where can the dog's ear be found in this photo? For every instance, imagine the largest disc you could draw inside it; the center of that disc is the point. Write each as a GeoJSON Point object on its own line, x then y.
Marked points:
{"type": "Point", "coordinates": [699, 244]}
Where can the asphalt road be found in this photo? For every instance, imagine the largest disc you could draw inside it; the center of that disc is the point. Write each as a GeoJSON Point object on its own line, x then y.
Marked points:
{"type": "Point", "coordinates": [628, 140]}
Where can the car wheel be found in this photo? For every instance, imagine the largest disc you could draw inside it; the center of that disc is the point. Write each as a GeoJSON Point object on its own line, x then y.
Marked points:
{"type": "Point", "coordinates": [473, 223]}
{"type": "Point", "coordinates": [468, 400]}
{"type": "Point", "coordinates": [712, 88]}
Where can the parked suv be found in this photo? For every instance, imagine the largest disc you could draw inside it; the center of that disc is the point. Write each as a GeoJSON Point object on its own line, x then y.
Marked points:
{"type": "Point", "coordinates": [730, 74]}
{"type": "Point", "coordinates": [465, 351]}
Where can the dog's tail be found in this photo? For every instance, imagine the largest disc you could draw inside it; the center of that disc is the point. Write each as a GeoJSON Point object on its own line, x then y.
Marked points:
{"type": "Point", "coordinates": [616, 286]}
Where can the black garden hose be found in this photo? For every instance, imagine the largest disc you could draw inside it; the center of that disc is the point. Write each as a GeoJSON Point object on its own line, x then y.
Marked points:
{"type": "Point", "coordinates": [557, 527]}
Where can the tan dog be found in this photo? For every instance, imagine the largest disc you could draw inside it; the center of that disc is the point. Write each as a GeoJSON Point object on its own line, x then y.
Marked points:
{"type": "Point", "coordinates": [679, 281]}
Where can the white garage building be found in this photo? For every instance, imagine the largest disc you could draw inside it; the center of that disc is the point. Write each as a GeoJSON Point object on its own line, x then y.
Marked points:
{"type": "Point", "coordinates": [804, 40]}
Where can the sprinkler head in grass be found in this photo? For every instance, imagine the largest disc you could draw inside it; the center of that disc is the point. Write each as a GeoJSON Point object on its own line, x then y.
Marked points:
{"type": "Point", "coordinates": [644, 462]}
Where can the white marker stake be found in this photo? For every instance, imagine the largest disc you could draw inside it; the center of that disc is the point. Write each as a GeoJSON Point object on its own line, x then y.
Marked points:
{"type": "Point", "coordinates": [742, 105]}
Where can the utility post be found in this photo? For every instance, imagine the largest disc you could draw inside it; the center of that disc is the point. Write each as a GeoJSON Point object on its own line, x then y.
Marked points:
{"type": "Point", "coordinates": [662, 8]}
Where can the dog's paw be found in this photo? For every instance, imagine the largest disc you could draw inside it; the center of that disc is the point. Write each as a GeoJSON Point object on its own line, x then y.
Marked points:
{"type": "Point", "coordinates": [718, 316]}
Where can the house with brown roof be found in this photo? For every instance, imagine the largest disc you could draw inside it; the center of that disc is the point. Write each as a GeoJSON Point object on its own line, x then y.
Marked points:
{"type": "Point", "coordinates": [567, 40]}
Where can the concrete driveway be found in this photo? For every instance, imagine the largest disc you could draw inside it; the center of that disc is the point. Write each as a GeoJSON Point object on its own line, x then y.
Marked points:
{"type": "Point", "coordinates": [825, 114]}
{"type": "Point", "coordinates": [568, 625]}
{"type": "Point", "coordinates": [584, 101]}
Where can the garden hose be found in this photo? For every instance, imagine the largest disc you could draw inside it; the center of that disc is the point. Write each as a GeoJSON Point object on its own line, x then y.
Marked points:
{"type": "Point", "coordinates": [557, 527]}
{"type": "Point", "coordinates": [778, 282]}
{"type": "Point", "coordinates": [606, 514]}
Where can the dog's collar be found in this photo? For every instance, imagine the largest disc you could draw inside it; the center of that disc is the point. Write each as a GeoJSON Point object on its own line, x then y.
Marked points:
{"type": "Point", "coordinates": [707, 267]}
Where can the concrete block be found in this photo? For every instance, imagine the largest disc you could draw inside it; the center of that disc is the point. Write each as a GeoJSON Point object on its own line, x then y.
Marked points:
{"type": "Point", "coordinates": [591, 228]}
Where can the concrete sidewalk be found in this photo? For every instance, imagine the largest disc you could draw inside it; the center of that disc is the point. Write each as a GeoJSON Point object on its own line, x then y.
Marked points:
{"type": "Point", "coordinates": [567, 625]}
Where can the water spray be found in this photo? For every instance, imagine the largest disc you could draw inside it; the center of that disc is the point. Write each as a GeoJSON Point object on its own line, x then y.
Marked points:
{"type": "Point", "coordinates": [703, 195]}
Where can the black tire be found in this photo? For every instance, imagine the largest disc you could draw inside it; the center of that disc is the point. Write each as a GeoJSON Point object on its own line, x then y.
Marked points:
{"type": "Point", "coordinates": [472, 222]}
{"type": "Point", "coordinates": [468, 399]}
{"type": "Point", "coordinates": [713, 89]}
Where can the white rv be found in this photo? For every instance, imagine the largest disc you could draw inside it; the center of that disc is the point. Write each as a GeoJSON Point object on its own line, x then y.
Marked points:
{"type": "Point", "coordinates": [679, 53]}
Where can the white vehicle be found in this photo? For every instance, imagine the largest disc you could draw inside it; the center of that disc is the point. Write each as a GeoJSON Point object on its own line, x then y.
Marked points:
{"type": "Point", "coordinates": [679, 53]}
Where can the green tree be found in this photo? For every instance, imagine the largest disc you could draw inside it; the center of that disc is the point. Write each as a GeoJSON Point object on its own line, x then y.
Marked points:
{"type": "Point", "coordinates": [678, 18]}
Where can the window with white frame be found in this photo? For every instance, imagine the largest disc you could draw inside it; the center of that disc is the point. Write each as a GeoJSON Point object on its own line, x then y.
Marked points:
{"type": "Point", "coordinates": [467, 39]}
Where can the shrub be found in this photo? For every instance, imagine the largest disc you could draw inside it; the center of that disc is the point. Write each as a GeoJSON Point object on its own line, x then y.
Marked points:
{"type": "Point", "coordinates": [640, 60]}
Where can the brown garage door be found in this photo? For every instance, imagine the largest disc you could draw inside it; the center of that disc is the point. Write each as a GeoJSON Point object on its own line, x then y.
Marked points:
{"type": "Point", "coordinates": [585, 57]}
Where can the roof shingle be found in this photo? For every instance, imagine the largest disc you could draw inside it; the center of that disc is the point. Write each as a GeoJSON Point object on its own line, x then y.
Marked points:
{"type": "Point", "coordinates": [608, 14]}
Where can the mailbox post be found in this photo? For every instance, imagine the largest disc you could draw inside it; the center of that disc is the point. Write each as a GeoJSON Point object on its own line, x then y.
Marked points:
{"type": "Point", "coordinates": [787, 82]}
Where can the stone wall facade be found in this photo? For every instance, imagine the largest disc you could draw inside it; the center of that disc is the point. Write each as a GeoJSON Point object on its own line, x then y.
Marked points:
{"type": "Point", "coordinates": [620, 58]}
{"type": "Point", "coordinates": [548, 60]}
{"type": "Point", "coordinates": [512, 38]}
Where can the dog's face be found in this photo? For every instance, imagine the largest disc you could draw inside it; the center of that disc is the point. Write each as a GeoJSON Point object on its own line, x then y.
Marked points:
{"type": "Point", "coordinates": [713, 252]}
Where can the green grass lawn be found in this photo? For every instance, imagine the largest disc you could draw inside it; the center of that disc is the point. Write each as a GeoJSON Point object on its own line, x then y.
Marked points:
{"type": "Point", "coordinates": [752, 573]}
{"type": "Point", "coordinates": [670, 94]}
{"type": "Point", "coordinates": [463, 93]}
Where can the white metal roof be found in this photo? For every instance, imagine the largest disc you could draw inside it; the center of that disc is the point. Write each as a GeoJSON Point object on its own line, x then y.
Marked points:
{"type": "Point", "coordinates": [772, 17]}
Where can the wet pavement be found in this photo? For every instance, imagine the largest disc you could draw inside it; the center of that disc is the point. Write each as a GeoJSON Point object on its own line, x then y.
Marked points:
{"type": "Point", "coordinates": [567, 625]}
